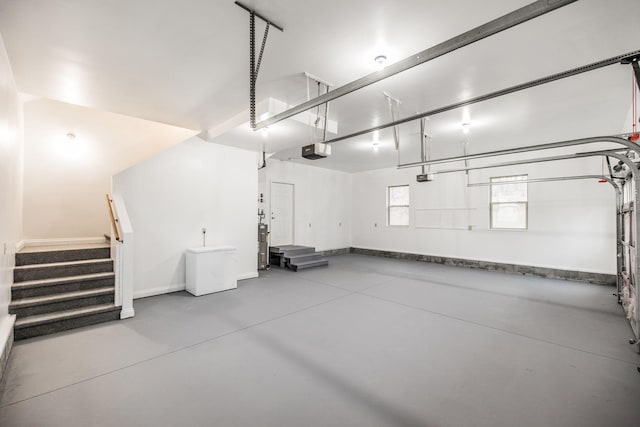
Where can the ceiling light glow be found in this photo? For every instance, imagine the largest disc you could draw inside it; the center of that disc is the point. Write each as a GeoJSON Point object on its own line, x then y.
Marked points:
{"type": "Point", "coordinates": [380, 61]}
{"type": "Point", "coordinates": [466, 127]}
{"type": "Point", "coordinates": [71, 147]}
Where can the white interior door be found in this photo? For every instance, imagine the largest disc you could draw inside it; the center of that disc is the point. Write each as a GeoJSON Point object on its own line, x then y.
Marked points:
{"type": "Point", "coordinates": [281, 214]}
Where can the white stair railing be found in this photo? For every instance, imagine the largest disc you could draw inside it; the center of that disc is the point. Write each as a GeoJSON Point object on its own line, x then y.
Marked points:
{"type": "Point", "coordinates": [122, 250]}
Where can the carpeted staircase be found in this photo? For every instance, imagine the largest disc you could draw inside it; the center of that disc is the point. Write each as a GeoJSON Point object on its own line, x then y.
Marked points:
{"type": "Point", "coordinates": [296, 257]}
{"type": "Point", "coordinates": [60, 289]}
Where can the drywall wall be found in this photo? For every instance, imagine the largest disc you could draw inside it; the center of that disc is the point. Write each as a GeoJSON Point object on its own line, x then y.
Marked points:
{"type": "Point", "coordinates": [571, 223]}
{"type": "Point", "coordinates": [10, 193]}
{"type": "Point", "coordinates": [322, 205]}
{"type": "Point", "coordinates": [173, 195]}
{"type": "Point", "coordinates": [65, 180]}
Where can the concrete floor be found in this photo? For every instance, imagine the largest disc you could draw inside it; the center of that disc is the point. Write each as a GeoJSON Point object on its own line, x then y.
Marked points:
{"type": "Point", "coordinates": [365, 342]}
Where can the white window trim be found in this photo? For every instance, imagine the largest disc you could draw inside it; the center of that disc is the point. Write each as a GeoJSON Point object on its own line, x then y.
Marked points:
{"type": "Point", "coordinates": [389, 206]}
{"type": "Point", "coordinates": [491, 203]}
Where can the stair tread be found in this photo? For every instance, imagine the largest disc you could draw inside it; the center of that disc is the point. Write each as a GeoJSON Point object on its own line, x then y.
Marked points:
{"type": "Point", "coordinates": [61, 280]}
{"type": "Point", "coordinates": [294, 257]}
{"type": "Point", "coordinates": [63, 247]}
{"type": "Point", "coordinates": [63, 264]}
{"type": "Point", "coordinates": [62, 315]}
{"type": "Point", "coordinates": [315, 261]}
{"type": "Point", "coordinates": [48, 299]}
{"type": "Point", "coordinates": [286, 248]}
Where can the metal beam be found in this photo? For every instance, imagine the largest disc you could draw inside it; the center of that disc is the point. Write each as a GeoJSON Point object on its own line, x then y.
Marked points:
{"type": "Point", "coordinates": [267, 20]}
{"type": "Point", "coordinates": [633, 60]}
{"type": "Point", "coordinates": [549, 179]}
{"type": "Point", "coordinates": [569, 143]}
{"type": "Point", "coordinates": [488, 96]}
{"type": "Point", "coordinates": [495, 26]}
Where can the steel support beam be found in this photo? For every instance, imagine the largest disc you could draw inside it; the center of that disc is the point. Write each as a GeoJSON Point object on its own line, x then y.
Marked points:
{"type": "Point", "coordinates": [569, 143]}
{"type": "Point", "coordinates": [550, 179]}
{"type": "Point", "coordinates": [488, 96]}
{"type": "Point", "coordinates": [495, 26]}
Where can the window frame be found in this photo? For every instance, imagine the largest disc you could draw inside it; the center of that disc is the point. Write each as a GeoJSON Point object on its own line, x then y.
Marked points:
{"type": "Point", "coordinates": [389, 206]}
{"type": "Point", "coordinates": [525, 203]}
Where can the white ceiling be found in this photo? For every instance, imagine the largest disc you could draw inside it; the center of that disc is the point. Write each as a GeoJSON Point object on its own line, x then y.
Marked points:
{"type": "Point", "coordinates": [186, 63]}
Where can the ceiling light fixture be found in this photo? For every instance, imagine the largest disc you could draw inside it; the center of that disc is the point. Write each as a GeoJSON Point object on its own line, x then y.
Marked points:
{"type": "Point", "coordinates": [71, 136]}
{"type": "Point", "coordinates": [380, 61]}
{"type": "Point", "coordinates": [466, 127]}
{"type": "Point", "coordinates": [376, 141]}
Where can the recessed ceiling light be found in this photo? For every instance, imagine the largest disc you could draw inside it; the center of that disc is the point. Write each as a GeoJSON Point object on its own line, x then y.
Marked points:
{"type": "Point", "coordinates": [380, 61]}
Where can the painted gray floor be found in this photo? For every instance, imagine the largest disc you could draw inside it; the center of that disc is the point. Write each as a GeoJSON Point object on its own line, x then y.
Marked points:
{"type": "Point", "coordinates": [365, 342]}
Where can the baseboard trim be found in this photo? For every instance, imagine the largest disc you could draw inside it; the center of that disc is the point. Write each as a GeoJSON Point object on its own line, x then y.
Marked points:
{"type": "Point", "coordinates": [6, 341]}
{"type": "Point", "coordinates": [332, 252]}
{"type": "Point", "coordinates": [63, 241]}
{"type": "Point", "coordinates": [160, 290]}
{"type": "Point", "coordinates": [127, 313]}
{"type": "Point", "coordinates": [246, 276]}
{"type": "Point", "coordinates": [19, 245]}
{"type": "Point", "coordinates": [551, 273]}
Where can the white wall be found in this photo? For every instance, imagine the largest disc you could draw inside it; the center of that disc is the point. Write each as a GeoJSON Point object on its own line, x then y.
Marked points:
{"type": "Point", "coordinates": [65, 181]}
{"type": "Point", "coordinates": [571, 223]}
{"type": "Point", "coordinates": [10, 188]}
{"type": "Point", "coordinates": [171, 196]}
{"type": "Point", "coordinates": [322, 211]}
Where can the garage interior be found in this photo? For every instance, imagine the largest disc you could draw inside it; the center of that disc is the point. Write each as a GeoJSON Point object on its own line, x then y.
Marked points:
{"type": "Point", "coordinates": [339, 214]}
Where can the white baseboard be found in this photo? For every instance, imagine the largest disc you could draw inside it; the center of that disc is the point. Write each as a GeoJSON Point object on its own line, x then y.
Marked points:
{"type": "Point", "coordinates": [63, 241]}
{"type": "Point", "coordinates": [19, 245]}
{"type": "Point", "coordinates": [143, 293]}
{"type": "Point", "coordinates": [245, 276]}
{"type": "Point", "coordinates": [6, 331]}
{"type": "Point", "coordinates": [127, 313]}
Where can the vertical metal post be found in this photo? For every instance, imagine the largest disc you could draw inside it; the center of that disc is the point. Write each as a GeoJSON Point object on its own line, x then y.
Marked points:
{"type": "Point", "coordinates": [422, 154]}
{"type": "Point", "coordinates": [252, 69]}
{"type": "Point", "coordinates": [619, 247]}
{"type": "Point", "coordinates": [636, 219]}
{"type": "Point", "coordinates": [326, 115]}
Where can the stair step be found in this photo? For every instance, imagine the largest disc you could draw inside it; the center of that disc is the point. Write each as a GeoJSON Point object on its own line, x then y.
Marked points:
{"type": "Point", "coordinates": [286, 248]}
{"type": "Point", "coordinates": [50, 323]}
{"type": "Point", "coordinates": [322, 262]}
{"type": "Point", "coordinates": [42, 287]}
{"type": "Point", "coordinates": [59, 302]}
{"type": "Point", "coordinates": [281, 249]}
{"type": "Point", "coordinates": [298, 251]}
{"type": "Point", "coordinates": [52, 255]}
{"type": "Point", "coordinates": [304, 257]}
{"type": "Point", "coordinates": [61, 269]}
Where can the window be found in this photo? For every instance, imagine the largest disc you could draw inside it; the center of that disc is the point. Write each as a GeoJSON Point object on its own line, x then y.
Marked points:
{"type": "Point", "coordinates": [398, 205]}
{"type": "Point", "coordinates": [509, 202]}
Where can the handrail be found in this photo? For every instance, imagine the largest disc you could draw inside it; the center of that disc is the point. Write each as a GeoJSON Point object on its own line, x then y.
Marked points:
{"type": "Point", "coordinates": [115, 223]}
